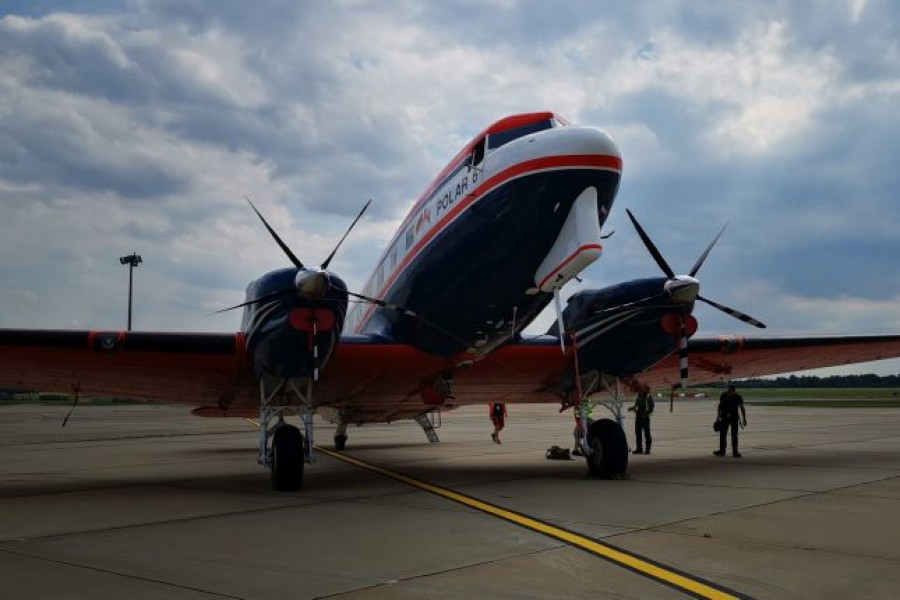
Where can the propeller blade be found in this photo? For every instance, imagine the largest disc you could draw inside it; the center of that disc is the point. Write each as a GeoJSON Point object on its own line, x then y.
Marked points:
{"type": "Point", "coordinates": [349, 229]}
{"type": "Point", "coordinates": [263, 298]}
{"type": "Point", "coordinates": [383, 304]}
{"type": "Point", "coordinates": [277, 294]}
{"type": "Point", "coordinates": [734, 313]}
{"type": "Point", "coordinates": [703, 256]}
{"type": "Point", "coordinates": [352, 225]}
{"type": "Point", "coordinates": [651, 247]}
{"type": "Point", "coordinates": [410, 313]}
{"type": "Point", "coordinates": [683, 355]}
{"type": "Point", "coordinates": [296, 261]}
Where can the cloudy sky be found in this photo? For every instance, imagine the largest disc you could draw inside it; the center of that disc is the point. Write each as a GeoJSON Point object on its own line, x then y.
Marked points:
{"type": "Point", "coordinates": [141, 125]}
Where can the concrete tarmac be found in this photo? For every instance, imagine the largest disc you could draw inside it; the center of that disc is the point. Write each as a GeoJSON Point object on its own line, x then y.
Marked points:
{"type": "Point", "coordinates": [148, 502]}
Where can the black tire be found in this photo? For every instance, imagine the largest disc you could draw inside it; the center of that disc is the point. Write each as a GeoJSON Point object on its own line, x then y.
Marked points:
{"type": "Point", "coordinates": [340, 442]}
{"type": "Point", "coordinates": [609, 456]}
{"type": "Point", "coordinates": [287, 459]}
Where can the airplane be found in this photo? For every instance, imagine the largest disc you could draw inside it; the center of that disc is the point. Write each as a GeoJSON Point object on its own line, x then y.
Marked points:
{"type": "Point", "coordinates": [516, 214]}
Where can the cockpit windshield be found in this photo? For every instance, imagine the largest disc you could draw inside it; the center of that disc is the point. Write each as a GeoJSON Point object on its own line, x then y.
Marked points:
{"type": "Point", "coordinates": [495, 140]}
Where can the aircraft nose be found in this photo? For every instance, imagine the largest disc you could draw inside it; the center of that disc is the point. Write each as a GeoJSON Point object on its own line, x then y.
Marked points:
{"type": "Point", "coordinates": [585, 141]}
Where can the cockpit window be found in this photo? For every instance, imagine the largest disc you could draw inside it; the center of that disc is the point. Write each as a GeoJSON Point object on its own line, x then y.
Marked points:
{"type": "Point", "coordinates": [495, 140]}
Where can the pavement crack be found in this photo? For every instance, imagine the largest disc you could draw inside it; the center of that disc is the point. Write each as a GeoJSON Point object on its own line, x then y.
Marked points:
{"type": "Point", "coordinates": [119, 574]}
{"type": "Point", "coordinates": [456, 569]}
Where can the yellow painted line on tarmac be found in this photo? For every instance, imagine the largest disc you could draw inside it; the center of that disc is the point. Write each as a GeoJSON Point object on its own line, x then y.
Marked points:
{"type": "Point", "coordinates": [642, 566]}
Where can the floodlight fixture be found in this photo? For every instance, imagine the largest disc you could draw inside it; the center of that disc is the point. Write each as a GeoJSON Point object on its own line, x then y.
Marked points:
{"type": "Point", "coordinates": [132, 260]}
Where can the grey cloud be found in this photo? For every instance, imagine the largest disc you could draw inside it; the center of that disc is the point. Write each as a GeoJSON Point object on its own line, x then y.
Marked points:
{"type": "Point", "coordinates": [70, 148]}
{"type": "Point", "coordinates": [64, 53]}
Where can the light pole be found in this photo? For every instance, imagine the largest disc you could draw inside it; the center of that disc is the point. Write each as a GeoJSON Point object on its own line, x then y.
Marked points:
{"type": "Point", "coordinates": [133, 260]}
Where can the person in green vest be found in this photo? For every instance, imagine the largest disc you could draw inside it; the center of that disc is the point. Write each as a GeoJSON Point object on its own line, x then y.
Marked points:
{"type": "Point", "coordinates": [642, 409]}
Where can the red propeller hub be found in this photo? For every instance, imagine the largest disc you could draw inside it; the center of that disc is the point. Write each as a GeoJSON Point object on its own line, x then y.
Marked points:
{"type": "Point", "coordinates": [305, 319]}
{"type": "Point", "coordinates": [671, 324]}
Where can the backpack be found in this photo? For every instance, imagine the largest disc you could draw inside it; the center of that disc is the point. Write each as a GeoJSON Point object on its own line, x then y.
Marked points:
{"type": "Point", "coordinates": [557, 453]}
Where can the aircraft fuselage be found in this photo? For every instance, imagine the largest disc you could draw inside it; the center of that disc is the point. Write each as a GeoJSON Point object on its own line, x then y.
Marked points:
{"type": "Point", "coordinates": [467, 255]}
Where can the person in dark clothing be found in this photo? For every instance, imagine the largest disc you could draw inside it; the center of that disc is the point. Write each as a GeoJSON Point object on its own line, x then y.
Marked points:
{"type": "Point", "coordinates": [642, 408]}
{"type": "Point", "coordinates": [730, 402]}
{"type": "Point", "coordinates": [498, 417]}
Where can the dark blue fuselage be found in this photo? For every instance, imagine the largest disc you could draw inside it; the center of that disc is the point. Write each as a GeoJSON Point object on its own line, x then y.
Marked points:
{"type": "Point", "coordinates": [471, 283]}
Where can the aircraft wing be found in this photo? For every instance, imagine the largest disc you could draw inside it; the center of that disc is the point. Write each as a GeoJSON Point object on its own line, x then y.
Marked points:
{"type": "Point", "coordinates": [371, 380]}
{"type": "Point", "coordinates": [735, 357]}
{"type": "Point", "coordinates": [367, 378]}
{"type": "Point", "coordinates": [530, 371]}
{"type": "Point", "coordinates": [191, 368]}
{"type": "Point", "coordinates": [378, 381]}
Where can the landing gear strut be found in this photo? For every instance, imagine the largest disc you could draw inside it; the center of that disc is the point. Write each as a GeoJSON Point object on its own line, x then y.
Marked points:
{"type": "Point", "coordinates": [427, 426]}
{"type": "Point", "coordinates": [603, 442]}
{"type": "Point", "coordinates": [289, 449]}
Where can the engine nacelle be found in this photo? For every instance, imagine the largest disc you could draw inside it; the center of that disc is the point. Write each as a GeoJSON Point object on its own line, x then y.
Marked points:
{"type": "Point", "coordinates": [289, 334]}
{"type": "Point", "coordinates": [625, 328]}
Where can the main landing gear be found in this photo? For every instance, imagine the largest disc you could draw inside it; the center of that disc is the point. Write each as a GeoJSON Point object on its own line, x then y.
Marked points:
{"type": "Point", "coordinates": [602, 442]}
{"type": "Point", "coordinates": [608, 455]}
{"type": "Point", "coordinates": [282, 447]}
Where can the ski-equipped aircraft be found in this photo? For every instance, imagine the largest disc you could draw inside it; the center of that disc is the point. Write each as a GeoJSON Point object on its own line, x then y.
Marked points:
{"type": "Point", "coordinates": [513, 217]}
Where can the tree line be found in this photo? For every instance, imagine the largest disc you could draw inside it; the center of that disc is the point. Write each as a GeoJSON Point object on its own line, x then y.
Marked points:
{"type": "Point", "coordinates": [867, 380]}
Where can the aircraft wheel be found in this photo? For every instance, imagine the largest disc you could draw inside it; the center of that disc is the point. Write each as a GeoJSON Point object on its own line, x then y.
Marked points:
{"type": "Point", "coordinates": [609, 456]}
{"type": "Point", "coordinates": [287, 459]}
{"type": "Point", "coordinates": [340, 442]}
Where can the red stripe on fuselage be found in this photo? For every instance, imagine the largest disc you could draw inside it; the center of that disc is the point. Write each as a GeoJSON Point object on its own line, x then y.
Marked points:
{"type": "Point", "coordinates": [505, 124]}
{"type": "Point", "coordinates": [529, 167]}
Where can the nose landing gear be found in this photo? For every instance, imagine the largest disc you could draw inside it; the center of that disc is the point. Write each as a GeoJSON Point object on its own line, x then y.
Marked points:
{"type": "Point", "coordinates": [282, 447]}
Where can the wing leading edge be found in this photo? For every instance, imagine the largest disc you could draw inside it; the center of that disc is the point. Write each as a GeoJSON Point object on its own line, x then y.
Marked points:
{"type": "Point", "coordinates": [374, 380]}
{"type": "Point", "coordinates": [736, 357]}
{"type": "Point", "coordinates": [190, 368]}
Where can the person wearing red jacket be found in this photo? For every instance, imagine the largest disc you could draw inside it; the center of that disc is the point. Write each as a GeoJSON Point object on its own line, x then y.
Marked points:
{"type": "Point", "coordinates": [498, 418]}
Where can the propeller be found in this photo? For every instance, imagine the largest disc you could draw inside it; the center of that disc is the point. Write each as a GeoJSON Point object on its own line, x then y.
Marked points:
{"type": "Point", "coordinates": [307, 282]}
{"type": "Point", "coordinates": [685, 289]}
